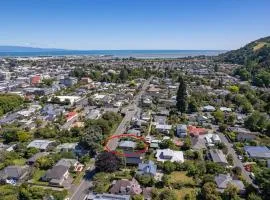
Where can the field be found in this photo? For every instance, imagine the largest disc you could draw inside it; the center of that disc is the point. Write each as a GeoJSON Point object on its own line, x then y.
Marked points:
{"type": "Point", "coordinates": [181, 177]}
{"type": "Point", "coordinates": [183, 192]}
{"type": "Point", "coordinates": [19, 162]}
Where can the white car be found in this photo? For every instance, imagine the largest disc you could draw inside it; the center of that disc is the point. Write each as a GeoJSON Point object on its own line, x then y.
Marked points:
{"type": "Point", "coordinates": [240, 157]}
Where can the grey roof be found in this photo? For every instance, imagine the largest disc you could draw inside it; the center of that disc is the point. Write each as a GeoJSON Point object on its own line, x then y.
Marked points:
{"type": "Point", "coordinates": [257, 151]}
{"type": "Point", "coordinates": [13, 172]}
{"type": "Point", "coordinates": [127, 144]}
{"type": "Point", "coordinates": [57, 172]}
{"type": "Point", "coordinates": [40, 144]}
{"type": "Point", "coordinates": [37, 156]}
{"type": "Point", "coordinates": [181, 128]}
{"type": "Point", "coordinates": [66, 162]}
{"type": "Point", "coordinates": [223, 180]}
{"type": "Point", "coordinates": [148, 168]}
{"type": "Point", "coordinates": [218, 156]}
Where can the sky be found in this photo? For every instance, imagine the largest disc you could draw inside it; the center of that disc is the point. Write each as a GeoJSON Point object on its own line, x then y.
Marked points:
{"type": "Point", "coordinates": [134, 24]}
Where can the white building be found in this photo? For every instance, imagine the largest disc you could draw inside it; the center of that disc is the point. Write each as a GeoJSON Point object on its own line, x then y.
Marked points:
{"type": "Point", "coordinates": [163, 155]}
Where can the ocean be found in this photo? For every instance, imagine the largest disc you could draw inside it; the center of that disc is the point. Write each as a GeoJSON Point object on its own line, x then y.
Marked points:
{"type": "Point", "coordinates": [117, 53]}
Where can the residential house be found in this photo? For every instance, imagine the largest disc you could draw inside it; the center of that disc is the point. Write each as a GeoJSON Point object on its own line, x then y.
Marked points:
{"type": "Point", "coordinates": [126, 187]}
{"type": "Point", "coordinates": [212, 139]}
{"type": "Point", "coordinates": [148, 167]}
{"type": "Point", "coordinates": [68, 81]}
{"type": "Point", "coordinates": [208, 108]}
{"type": "Point", "coordinates": [181, 130]}
{"type": "Point", "coordinates": [196, 131]}
{"type": "Point", "coordinates": [224, 180]}
{"type": "Point", "coordinates": [163, 155]}
{"type": "Point", "coordinates": [57, 175]}
{"type": "Point", "coordinates": [134, 132]}
{"type": "Point", "coordinates": [132, 158]}
{"type": "Point", "coordinates": [68, 147]}
{"type": "Point", "coordinates": [127, 145]}
{"type": "Point", "coordinates": [42, 145]}
{"type": "Point", "coordinates": [218, 156]}
{"type": "Point", "coordinates": [154, 144]}
{"type": "Point", "coordinates": [160, 119]}
{"type": "Point", "coordinates": [12, 174]}
{"type": "Point", "coordinates": [225, 109]}
{"type": "Point", "coordinates": [34, 158]}
{"type": "Point", "coordinates": [71, 164]}
{"type": "Point", "coordinates": [163, 128]}
{"type": "Point", "coordinates": [71, 116]}
{"type": "Point", "coordinates": [258, 152]}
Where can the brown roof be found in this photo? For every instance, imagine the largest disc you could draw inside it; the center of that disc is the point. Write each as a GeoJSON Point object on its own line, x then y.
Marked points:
{"type": "Point", "coordinates": [130, 187]}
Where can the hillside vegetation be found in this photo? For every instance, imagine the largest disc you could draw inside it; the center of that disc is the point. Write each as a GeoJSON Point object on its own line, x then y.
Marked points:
{"type": "Point", "coordinates": [255, 58]}
{"type": "Point", "coordinates": [9, 102]}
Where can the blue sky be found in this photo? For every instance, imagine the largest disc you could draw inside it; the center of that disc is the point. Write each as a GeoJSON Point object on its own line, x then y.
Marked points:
{"type": "Point", "coordinates": [133, 24]}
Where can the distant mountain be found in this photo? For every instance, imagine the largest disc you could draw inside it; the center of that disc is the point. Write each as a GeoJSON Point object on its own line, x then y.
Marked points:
{"type": "Point", "coordinates": [255, 58]}
{"type": "Point", "coordinates": [27, 49]}
{"type": "Point", "coordinates": [257, 51]}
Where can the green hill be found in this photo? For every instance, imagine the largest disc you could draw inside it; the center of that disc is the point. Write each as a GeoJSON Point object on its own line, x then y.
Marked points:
{"type": "Point", "coordinates": [255, 58]}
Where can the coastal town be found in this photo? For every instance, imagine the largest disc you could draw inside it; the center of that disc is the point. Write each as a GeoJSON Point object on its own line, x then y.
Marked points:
{"type": "Point", "coordinates": [101, 127]}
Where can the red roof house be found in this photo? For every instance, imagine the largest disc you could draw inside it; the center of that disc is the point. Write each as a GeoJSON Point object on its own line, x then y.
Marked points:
{"type": "Point", "coordinates": [195, 131]}
{"type": "Point", "coordinates": [71, 115]}
{"type": "Point", "coordinates": [35, 80]}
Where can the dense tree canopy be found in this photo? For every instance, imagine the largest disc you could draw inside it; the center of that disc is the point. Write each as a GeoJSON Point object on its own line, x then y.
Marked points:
{"type": "Point", "coordinates": [9, 102]}
{"type": "Point", "coordinates": [107, 162]}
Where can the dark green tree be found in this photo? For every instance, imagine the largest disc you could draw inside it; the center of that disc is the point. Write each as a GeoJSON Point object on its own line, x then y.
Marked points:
{"type": "Point", "coordinates": [107, 162]}
{"type": "Point", "coordinates": [182, 97]}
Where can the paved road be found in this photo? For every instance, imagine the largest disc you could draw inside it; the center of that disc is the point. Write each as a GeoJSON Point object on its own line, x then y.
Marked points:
{"type": "Point", "coordinates": [130, 112]}
{"type": "Point", "coordinates": [236, 161]}
{"type": "Point", "coordinates": [83, 189]}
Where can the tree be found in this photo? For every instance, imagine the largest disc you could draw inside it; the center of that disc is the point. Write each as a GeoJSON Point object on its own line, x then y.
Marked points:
{"type": "Point", "coordinates": [91, 139]}
{"type": "Point", "coordinates": [214, 168]}
{"type": "Point", "coordinates": [140, 145]}
{"type": "Point", "coordinates": [168, 195]}
{"type": "Point", "coordinates": [219, 116]}
{"type": "Point", "coordinates": [165, 180]}
{"type": "Point", "coordinates": [24, 136]}
{"type": "Point", "coordinates": [209, 191]}
{"type": "Point", "coordinates": [237, 170]}
{"type": "Point", "coordinates": [230, 159]}
{"type": "Point", "coordinates": [181, 97]}
{"type": "Point", "coordinates": [263, 180]}
{"type": "Point", "coordinates": [145, 180]}
{"type": "Point", "coordinates": [165, 144]}
{"type": "Point", "coordinates": [253, 196]}
{"type": "Point", "coordinates": [45, 162]}
{"type": "Point", "coordinates": [192, 106]}
{"type": "Point", "coordinates": [230, 192]}
{"type": "Point", "coordinates": [123, 76]}
{"type": "Point", "coordinates": [256, 121]}
{"type": "Point", "coordinates": [168, 167]}
{"type": "Point", "coordinates": [187, 143]}
{"type": "Point", "coordinates": [107, 162]}
{"type": "Point", "coordinates": [234, 89]}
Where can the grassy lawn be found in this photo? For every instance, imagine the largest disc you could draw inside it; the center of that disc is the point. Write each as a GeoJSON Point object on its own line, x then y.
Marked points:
{"type": "Point", "coordinates": [19, 162]}
{"type": "Point", "coordinates": [78, 178]}
{"type": "Point", "coordinates": [37, 175]}
{"type": "Point", "coordinates": [181, 177]}
{"type": "Point", "coordinates": [183, 192]}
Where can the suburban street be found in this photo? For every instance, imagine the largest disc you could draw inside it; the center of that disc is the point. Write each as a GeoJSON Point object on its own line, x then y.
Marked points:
{"type": "Point", "coordinates": [130, 112]}
{"type": "Point", "coordinates": [236, 161]}
{"type": "Point", "coordinates": [83, 189]}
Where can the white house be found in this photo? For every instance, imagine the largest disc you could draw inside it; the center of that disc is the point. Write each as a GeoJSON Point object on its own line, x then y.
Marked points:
{"type": "Point", "coordinates": [163, 155]}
